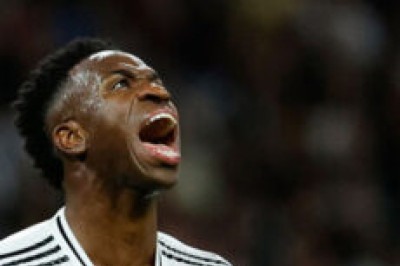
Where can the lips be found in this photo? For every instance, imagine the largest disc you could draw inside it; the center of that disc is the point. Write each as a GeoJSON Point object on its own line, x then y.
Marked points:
{"type": "Point", "coordinates": [158, 135]}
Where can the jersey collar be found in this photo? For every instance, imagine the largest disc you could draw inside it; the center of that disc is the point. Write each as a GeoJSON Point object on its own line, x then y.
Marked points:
{"type": "Point", "coordinates": [67, 236]}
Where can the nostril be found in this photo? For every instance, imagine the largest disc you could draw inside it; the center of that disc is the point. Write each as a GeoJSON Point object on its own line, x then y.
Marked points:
{"type": "Point", "coordinates": [156, 96]}
{"type": "Point", "coordinates": [152, 98]}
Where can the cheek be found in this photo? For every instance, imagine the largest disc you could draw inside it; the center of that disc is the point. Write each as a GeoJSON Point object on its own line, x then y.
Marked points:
{"type": "Point", "coordinates": [110, 136]}
{"type": "Point", "coordinates": [108, 151]}
{"type": "Point", "coordinates": [108, 128]}
{"type": "Point", "coordinates": [90, 105]}
{"type": "Point", "coordinates": [116, 111]}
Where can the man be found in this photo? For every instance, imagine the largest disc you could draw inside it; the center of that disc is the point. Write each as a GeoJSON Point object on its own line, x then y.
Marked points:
{"type": "Point", "coordinates": [100, 125]}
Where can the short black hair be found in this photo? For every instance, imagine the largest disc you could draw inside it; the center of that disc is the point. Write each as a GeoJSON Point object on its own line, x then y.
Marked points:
{"type": "Point", "coordinates": [36, 94]}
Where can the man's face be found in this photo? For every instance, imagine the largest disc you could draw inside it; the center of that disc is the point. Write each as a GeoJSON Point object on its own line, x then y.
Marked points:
{"type": "Point", "coordinates": [131, 122]}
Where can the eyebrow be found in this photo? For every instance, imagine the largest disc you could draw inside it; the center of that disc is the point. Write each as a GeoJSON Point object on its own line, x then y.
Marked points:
{"type": "Point", "coordinates": [124, 72]}
{"type": "Point", "coordinates": [152, 76]}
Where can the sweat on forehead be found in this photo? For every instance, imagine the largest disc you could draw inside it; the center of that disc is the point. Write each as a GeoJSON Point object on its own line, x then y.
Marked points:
{"type": "Point", "coordinates": [109, 53]}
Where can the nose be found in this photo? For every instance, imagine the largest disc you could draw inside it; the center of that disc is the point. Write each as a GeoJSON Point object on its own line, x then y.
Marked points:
{"type": "Point", "coordinates": [154, 93]}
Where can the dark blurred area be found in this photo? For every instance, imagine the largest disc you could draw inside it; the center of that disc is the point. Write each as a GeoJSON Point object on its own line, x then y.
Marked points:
{"type": "Point", "coordinates": [290, 113]}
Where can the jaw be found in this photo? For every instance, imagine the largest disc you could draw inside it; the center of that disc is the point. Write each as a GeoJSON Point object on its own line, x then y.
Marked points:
{"type": "Point", "coordinates": [155, 173]}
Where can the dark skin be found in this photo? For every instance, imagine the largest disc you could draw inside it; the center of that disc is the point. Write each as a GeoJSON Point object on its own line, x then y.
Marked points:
{"type": "Point", "coordinates": [110, 177]}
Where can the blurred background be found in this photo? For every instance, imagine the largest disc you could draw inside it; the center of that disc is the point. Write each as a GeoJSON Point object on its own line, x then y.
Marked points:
{"type": "Point", "coordinates": [290, 114]}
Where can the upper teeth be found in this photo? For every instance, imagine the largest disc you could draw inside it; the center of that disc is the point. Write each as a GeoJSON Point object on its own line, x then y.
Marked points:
{"type": "Point", "coordinates": [161, 116]}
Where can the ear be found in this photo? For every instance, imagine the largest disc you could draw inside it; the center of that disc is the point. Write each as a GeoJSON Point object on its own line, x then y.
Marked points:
{"type": "Point", "coordinates": [70, 138]}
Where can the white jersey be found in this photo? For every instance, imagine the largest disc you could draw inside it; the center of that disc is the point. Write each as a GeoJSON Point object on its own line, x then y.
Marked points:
{"type": "Point", "coordinates": [52, 242]}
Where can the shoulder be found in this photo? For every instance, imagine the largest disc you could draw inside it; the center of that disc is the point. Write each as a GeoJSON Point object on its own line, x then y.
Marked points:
{"type": "Point", "coordinates": [172, 248]}
{"type": "Point", "coordinates": [23, 243]}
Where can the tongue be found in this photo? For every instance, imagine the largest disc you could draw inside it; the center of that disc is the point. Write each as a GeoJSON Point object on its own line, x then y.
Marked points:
{"type": "Point", "coordinates": [164, 153]}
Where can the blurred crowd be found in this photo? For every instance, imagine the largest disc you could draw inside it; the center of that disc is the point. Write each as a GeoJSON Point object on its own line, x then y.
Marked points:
{"type": "Point", "coordinates": [290, 113]}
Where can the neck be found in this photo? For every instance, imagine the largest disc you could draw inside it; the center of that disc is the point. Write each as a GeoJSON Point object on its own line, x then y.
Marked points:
{"type": "Point", "coordinates": [114, 226]}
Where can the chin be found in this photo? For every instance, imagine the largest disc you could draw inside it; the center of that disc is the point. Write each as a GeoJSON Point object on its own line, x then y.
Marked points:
{"type": "Point", "coordinates": [162, 178]}
{"type": "Point", "coordinates": [151, 180]}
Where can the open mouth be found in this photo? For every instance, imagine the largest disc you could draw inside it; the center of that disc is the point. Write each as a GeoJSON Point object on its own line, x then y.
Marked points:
{"type": "Point", "coordinates": [159, 129]}
{"type": "Point", "coordinates": [158, 135]}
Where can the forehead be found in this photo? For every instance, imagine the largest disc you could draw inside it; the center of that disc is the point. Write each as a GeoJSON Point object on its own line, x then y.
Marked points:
{"type": "Point", "coordinates": [104, 61]}
{"type": "Point", "coordinates": [115, 54]}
